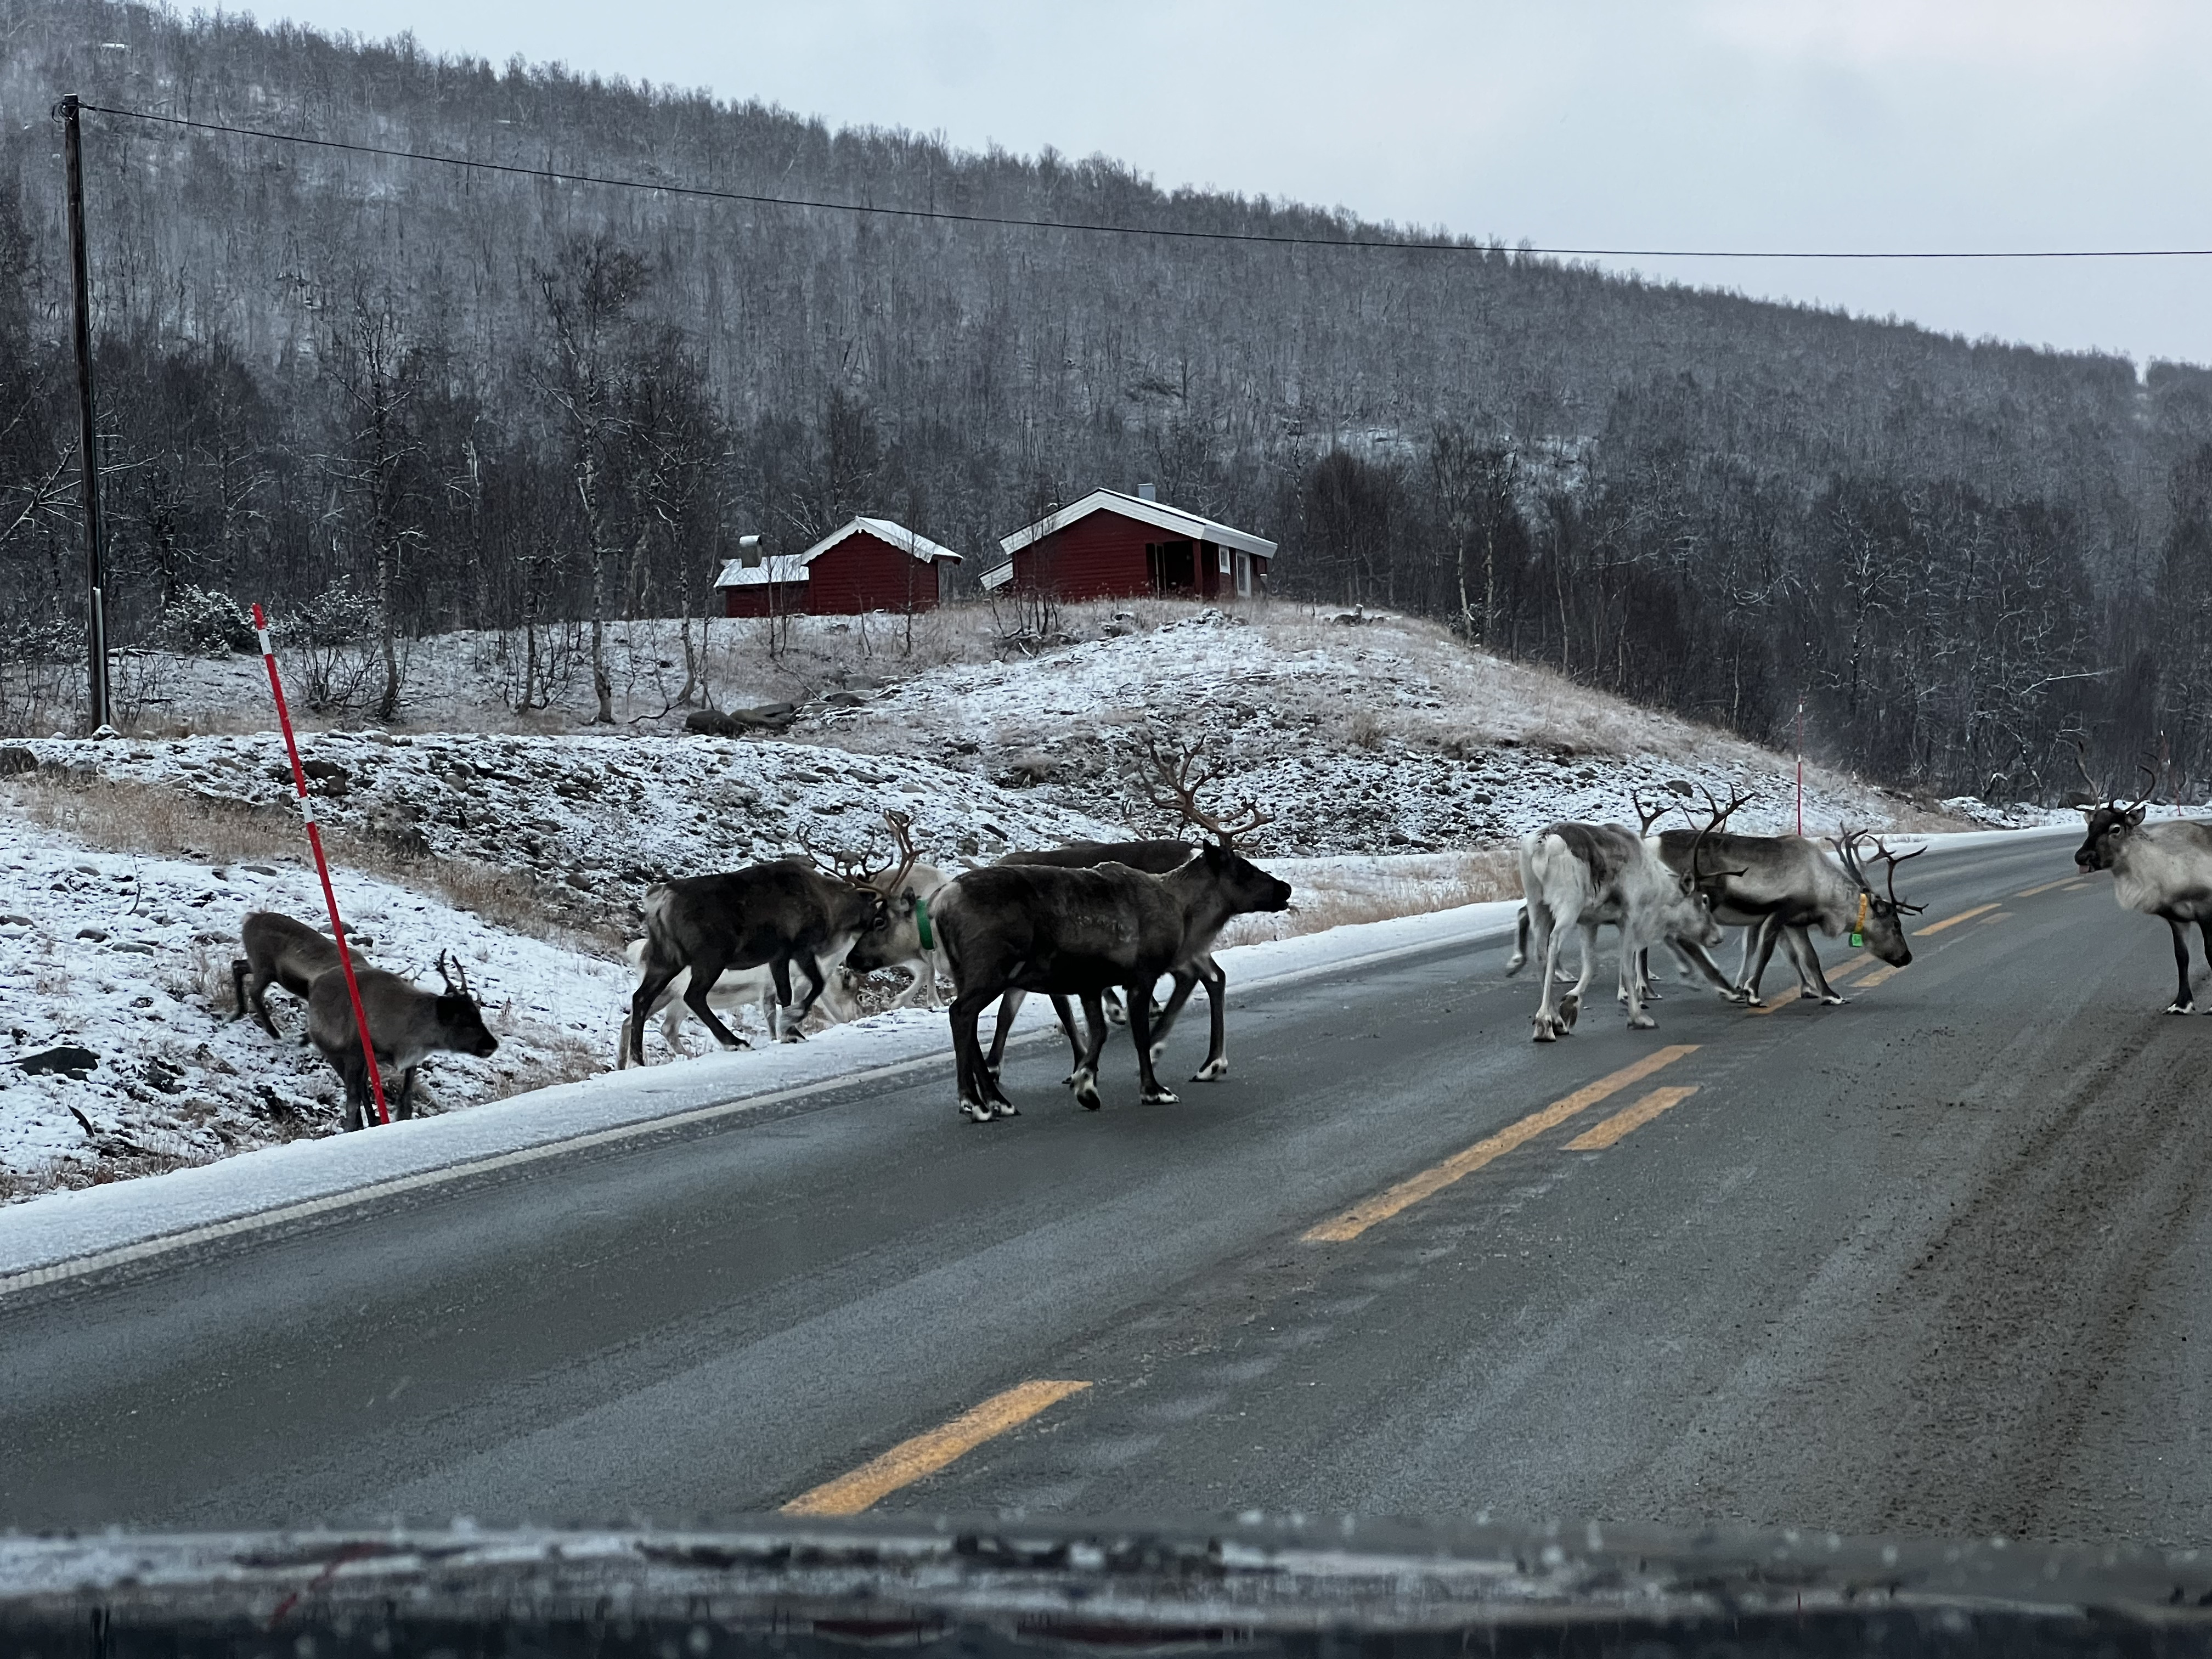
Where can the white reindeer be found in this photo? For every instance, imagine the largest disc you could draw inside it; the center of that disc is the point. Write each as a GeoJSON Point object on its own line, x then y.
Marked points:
{"type": "Point", "coordinates": [737, 989]}
{"type": "Point", "coordinates": [1582, 876]}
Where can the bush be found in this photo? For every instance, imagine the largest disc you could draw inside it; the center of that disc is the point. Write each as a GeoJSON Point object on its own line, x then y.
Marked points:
{"type": "Point", "coordinates": [339, 614]}
{"type": "Point", "coordinates": [207, 624]}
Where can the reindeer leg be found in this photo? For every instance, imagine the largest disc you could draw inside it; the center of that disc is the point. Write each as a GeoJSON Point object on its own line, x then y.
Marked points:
{"type": "Point", "coordinates": [1637, 1019]}
{"type": "Point", "coordinates": [1769, 930]}
{"type": "Point", "coordinates": [706, 969]}
{"type": "Point", "coordinates": [2205, 938]}
{"type": "Point", "coordinates": [816, 980]}
{"type": "Point", "coordinates": [1149, 1089]}
{"type": "Point", "coordinates": [1009, 1006]}
{"type": "Point", "coordinates": [1085, 1078]}
{"type": "Point", "coordinates": [1696, 960]}
{"type": "Point", "coordinates": [975, 1104]}
{"type": "Point", "coordinates": [645, 1003]}
{"type": "Point", "coordinates": [1810, 978]}
{"type": "Point", "coordinates": [1066, 1009]}
{"type": "Point", "coordinates": [1571, 1004]}
{"type": "Point", "coordinates": [2184, 1001]}
{"type": "Point", "coordinates": [1163, 1017]}
{"type": "Point", "coordinates": [1545, 946]}
{"type": "Point", "coordinates": [353, 1072]}
{"type": "Point", "coordinates": [1217, 1004]}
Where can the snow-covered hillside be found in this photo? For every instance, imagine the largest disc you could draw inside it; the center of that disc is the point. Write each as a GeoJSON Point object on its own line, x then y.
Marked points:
{"type": "Point", "coordinates": [1386, 735]}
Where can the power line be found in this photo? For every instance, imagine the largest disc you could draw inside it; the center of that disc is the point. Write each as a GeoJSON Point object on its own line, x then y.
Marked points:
{"type": "Point", "coordinates": [707, 194]}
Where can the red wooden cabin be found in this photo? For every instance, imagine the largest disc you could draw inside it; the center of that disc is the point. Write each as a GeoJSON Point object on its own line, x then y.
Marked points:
{"type": "Point", "coordinates": [871, 564]}
{"type": "Point", "coordinates": [1112, 546]}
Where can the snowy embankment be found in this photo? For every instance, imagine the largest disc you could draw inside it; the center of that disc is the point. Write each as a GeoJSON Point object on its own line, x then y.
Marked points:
{"type": "Point", "coordinates": [1387, 736]}
{"type": "Point", "coordinates": [592, 821]}
{"type": "Point", "coordinates": [110, 1224]}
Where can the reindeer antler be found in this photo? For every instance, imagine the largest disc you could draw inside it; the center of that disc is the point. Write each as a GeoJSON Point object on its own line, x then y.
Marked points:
{"type": "Point", "coordinates": [2099, 791]}
{"type": "Point", "coordinates": [836, 864]}
{"type": "Point", "coordinates": [1175, 784]}
{"type": "Point", "coordinates": [1892, 861]}
{"type": "Point", "coordinates": [1646, 817]}
{"type": "Point", "coordinates": [902, 826]}
{"type": "Point", "coordinates": [452, 989]}
{"type": "Point", "coordinates": [1722, 814]}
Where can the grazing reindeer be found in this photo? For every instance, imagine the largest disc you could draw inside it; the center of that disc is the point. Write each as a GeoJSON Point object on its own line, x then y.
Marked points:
{"type": "Point", "coordinates": [1173, 785]}
{"type": "Point", "coordinates": [2163, 870]}
{"type": "Point", "coordinates": [281, 951]}
{"type": "Point", "coordinates": [739, 988]}
{"type": "Point", "coordinates": [1583, 875]}
{"type": "Point", "coordinates": [1080, 932]}
{"type": "Point", "coordinates": [767, 915]}
{"type": "Point", "coordinates": [406, 1024]}
{"type": "Point", "coordinates": [908, 938]}
{"type": "Point", "coordinates": [1781, 888]}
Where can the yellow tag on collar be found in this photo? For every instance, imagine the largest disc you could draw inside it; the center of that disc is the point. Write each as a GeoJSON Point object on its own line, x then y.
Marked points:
{"type": "Point", "coordinates": [1858, 928]}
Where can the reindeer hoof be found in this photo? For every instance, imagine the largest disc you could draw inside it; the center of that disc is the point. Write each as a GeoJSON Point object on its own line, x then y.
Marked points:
{"type": "Point", "coordinates": [1570, 1006]}
{"type": "Point", "coordinates": [1545, 1031]}
{"type": "Point", "coordinates": [1006, 1108]}
{"type": "Point", "coordinates": [1088, 1099]}
{"type": "Point", "coordinates": [1642, 1022]}
{"type": "Point", "coordinates": [1161, 1098]}
{"type": "Point", "coordinates": [1210, 1071]}
{"type": "Point", "coordinates": [1832, 1000]}
{"type": "Point", "coordinates": [975, 1111]}
{"type": "Point", "coordinates": [2183, 1008]}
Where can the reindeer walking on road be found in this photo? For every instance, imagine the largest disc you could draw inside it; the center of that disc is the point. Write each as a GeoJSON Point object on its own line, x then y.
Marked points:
{"type": "Point", "coordinates": [2163, 870]}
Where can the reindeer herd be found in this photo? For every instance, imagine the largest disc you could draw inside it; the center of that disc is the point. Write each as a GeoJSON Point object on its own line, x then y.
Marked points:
{"type": "Point", "coordinates": [1099, 924]}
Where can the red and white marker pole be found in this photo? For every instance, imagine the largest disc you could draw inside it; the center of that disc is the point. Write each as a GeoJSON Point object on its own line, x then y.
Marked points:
{"type": "Point", "coordinates": [322, 865]}
{"type": "Point", "coordinates": [1800, 767]}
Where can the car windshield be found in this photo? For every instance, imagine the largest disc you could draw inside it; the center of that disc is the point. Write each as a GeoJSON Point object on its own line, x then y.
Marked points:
{"type": "Point", "coordinates": [749, 830]}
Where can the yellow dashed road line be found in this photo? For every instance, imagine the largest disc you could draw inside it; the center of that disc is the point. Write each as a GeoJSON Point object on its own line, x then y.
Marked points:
{"type": "Point", "coordinates": [1934, 927]}
{"type": "Point", "coordinates": [2063, 881]}
{"type": "Point", "coordinates": [908, 1461]}
{"type": "Point", "coordinates": [1410, 1192]}
{"type": "Point", "coordinates": [1630, 1117]}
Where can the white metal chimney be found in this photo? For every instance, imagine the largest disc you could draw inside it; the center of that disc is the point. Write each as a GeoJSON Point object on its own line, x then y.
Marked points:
{"type": "Point", "coordinates": [1147, 493]}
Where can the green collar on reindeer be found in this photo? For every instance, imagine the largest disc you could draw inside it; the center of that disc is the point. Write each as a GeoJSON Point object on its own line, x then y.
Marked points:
{"type": "Point", "coordinates": [922, 922]}
{"type": "Point", "coordinates": [1858, 928]}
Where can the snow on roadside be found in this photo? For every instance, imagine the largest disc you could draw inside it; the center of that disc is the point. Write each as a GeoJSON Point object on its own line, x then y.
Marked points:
{"type": "Point", "coordinates": [129, 958]}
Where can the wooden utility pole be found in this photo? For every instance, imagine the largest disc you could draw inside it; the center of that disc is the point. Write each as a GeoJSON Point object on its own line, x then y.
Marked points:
{"type": "Point", "coordinates": [95, 575]}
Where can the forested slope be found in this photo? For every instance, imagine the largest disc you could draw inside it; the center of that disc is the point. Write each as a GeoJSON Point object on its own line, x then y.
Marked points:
{"type": "Point", "coordinates": [491, 399]}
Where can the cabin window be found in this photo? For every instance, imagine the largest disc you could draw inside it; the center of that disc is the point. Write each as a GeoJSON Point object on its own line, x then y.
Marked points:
{"type": "Point", "coordinates": [1244, 575]}
{"type": "Point", "coordinates": [1224, 560]}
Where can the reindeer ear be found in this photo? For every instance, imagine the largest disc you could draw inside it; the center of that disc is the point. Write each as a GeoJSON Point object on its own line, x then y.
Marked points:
{"type": "Point", "coordinates": [2135, 814]}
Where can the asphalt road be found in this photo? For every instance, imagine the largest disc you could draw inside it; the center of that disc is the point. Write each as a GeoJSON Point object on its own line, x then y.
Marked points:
{"type": "Point", "coordinates": [1935, 1262]}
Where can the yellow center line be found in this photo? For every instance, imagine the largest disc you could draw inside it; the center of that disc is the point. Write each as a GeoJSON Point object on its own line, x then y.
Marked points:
{"type": "Point", "coordinates": [2064, 881]}
{"type": "Point", "coordinates": [1630, 1117]}
{"type": "Point", "coordinates": [1874, 979]}
{"type": "Point", "coordinates": [2077, 886]}
{"type": "Point", "coordinates": [2001, 916]}
{"type": "Point", "coordinates": [908, 1461]}
{"type": "Point", "coordinates": [1410, 1192]}
{"type": "Point", "coordinates": [1779, 1000]}
{"type": "Point", "coordinates": [1952, 922]}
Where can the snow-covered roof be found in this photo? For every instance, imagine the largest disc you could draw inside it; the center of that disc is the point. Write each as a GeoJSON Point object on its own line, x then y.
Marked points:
{"type": "Point", "coordinates": [776, 567]}
{"type": "Point", "coordinates": [737, 573]}
{"type": "Point", "coordinates": [1157, 513]}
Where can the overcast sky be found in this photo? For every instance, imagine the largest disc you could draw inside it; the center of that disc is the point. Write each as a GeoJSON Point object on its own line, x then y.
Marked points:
{"type": "Point", "coordinates": [1728, 123]}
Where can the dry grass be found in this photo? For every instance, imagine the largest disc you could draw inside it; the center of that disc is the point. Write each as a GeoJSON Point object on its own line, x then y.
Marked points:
{"type": "Point", "coordinates": [122, 817]}
{"type": "Point", "coordinates": [1333, 892]}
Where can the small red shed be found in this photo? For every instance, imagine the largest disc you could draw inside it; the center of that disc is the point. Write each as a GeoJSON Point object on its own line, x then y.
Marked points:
{"type": "Point", "coordinates": [871, 564]}
{"type": "Point", "coordinates": [1112, 546]}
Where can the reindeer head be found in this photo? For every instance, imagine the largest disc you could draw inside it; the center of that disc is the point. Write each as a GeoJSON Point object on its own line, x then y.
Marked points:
{"type": "Point", "coordinates": [2110, 823]}
{"type": "Point", "coordinates": [1879, 918]}
{"type": "Point", "coordinates": [1700, 888]}
{"type": "Point", "coordinates": [461, 1025]}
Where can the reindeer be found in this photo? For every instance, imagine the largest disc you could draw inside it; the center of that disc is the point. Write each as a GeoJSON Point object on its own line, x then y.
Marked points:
{"type": "Point", "coordinates": [908, 938]}
{"type": "Point", "coordinates": [772, 914]}
{"type": "Point", "coordinates": [279, 951]}
{"type": "Point", "coordinates": [2163, 870]}
{"type": "Point", "coordinates": [1582, 875]}
{"type": "Point", "coordinates": [1783, 887]}
{"type": "Point", "coordinates": [1172, 786]}
{"type": "Point", "coordinates": [1079, 933]}
{"type": "Point", "coordinates": [739, 988]}
{"type": "Point", "coordinates": [405, 1025]}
